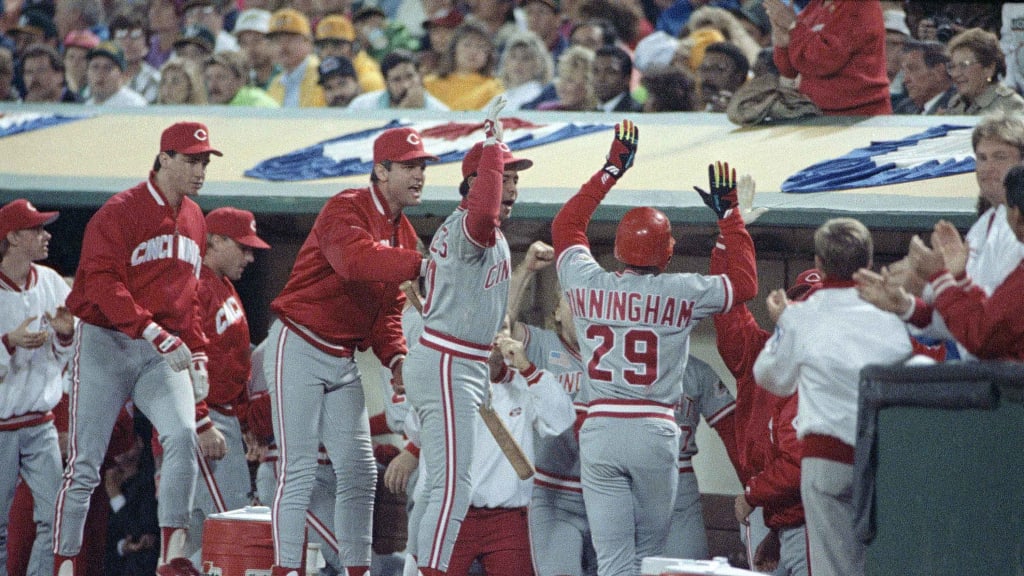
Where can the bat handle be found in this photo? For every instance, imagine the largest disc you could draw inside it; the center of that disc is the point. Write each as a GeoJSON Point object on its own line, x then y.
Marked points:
{"type": "Point", "coordinates": [412, 294]}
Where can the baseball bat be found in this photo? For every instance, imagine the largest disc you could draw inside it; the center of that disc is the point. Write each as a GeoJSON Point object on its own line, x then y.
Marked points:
{"type": "Point", "coordinates": [509, 447]}
{"type": "Point", "coordinates": [410, 292]}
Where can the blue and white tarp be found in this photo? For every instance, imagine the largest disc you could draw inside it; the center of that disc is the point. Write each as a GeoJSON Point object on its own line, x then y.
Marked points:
{"type": "Point", "coordinates": [940, 151]}
{"type": "Point", "coordinates": [18, 122]}
{"type": "Point", "coordinates": [352, 154]}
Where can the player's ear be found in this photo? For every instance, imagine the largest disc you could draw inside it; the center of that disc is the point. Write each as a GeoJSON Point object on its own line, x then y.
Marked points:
{"type": "Point", "coordinates": [381, 172]}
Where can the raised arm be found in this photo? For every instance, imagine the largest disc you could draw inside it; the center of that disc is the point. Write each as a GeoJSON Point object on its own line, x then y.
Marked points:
{"type": "Point", "coordinates": [569, 228]}
{"type": "Point", "coordinates": [483, 202]}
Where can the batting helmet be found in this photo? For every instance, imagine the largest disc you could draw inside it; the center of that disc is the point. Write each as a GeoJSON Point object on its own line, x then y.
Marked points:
{"type": "Point", "coordinates": [644, 238]}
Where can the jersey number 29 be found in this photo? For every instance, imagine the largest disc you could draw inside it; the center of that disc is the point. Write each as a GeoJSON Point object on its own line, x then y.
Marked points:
{"type": "Point", "coordinates": [639, 361]}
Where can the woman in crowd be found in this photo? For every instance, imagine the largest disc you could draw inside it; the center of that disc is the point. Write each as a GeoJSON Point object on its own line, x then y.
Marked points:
{"type": "Point", "coordinates": [466, 79]}
{"type": "Point", "coordinates": [574, 85]}
{"type": "Point", "coordinates": [525, 69]}
{"type": "Point", "coordinates": [976, 64]}
{"type": "Point", "coordinates": [180, 83]}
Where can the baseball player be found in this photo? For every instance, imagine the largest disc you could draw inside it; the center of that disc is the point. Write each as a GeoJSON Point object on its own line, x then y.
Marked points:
{"type": "Point", "coordinates": [633, 329]}
{"type": "Point", "coordinates": [559, 532]}
{"type": "Point", "coordinates": [466, 300]}
{"type": "Point", "coordinates": [769, 451]}
{"type": "Point", "coordinates": [827, 377]}
{"type": "Point", "coordinates": [224, 475]}
{"type": "Point", "coordinates": [141, 337]}
{"type": "Point", "coordinates": [705, 395]}
{"type": "Point", "coordinates": [37, 332]}
{"type": "Point", "coordinates": [343, 295]}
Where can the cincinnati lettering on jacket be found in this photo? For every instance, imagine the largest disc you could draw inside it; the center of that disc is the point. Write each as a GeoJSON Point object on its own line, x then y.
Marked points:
{"type": "Point", "coordinates": [163, 246]}
{"type": "Point", "coordinates": [497, 274]}
{"type": "Point", "coordinates": [633, 307]}
{"type": "Point", "coordinates": [229, 313]}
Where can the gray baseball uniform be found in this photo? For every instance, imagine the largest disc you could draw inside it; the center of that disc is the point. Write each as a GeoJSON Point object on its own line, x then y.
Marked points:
{"type": "Point", "coordinates": [703, 395]}
{"type": "Point", "coordinates": [446, 374]}
{"type": "Point", "coordinates": [559, 532]}
{"type": "Point", "coordinates": [634, 335]}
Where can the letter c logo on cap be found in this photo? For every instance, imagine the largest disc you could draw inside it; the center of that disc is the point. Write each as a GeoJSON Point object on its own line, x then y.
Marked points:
{"type": "Point", "coordinates": [252, 225]}
{"type": "Point", "coordinates": [504, 147]}
{"type": "Point", "coordinates": [200, 135]}
{"type": "Point", "coordinates": [413, 139]}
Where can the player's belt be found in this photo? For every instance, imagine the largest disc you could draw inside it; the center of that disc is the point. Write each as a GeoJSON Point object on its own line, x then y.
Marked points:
{"type": "Point", "coordinates": [685, 465]}
{"type": "Point", "coordinates": [556, 482]}
{"type": "Point", "coordinates": [448, 344]}
{"type": "Point", "coordinates": [611, 408]}
{"type": "Point", "coordinates": [25, 420]}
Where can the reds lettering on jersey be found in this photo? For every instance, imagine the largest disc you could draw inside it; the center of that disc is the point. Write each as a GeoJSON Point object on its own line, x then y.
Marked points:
{"type": "Point", "coordinates": [163, 246]}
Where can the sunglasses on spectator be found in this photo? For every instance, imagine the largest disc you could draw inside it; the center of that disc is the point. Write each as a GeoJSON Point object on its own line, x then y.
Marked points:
{"type": "Point", "coordinates": [124, 33]}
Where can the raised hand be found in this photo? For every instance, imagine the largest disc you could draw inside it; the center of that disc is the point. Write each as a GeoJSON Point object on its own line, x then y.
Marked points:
{"type": "Point", "coordinates": [946, 239]}
{"type": "Point", "coordinates": [724, 195]}
{"type": "Point", "coordinates": [926, 262]}
{"type": "Point", "coordinates": [623, 151]}
{"type": "Point", "coordinates": [745, 190]}
{"type": "Point", "coordinates": [492, 125]}
{"type": "Point", "coordinates": [883, 290]}
{"type": "Point", "coordinates": [539, 256]}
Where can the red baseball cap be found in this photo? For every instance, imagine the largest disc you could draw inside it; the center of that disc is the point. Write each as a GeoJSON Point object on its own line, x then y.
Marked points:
{"type": "Point", "coordinates": [472, 159]}
{"type": "Point", "coordinates": [187, 138]}
{"type": "Point", "coordinates": [400, 145]}
{"type": "Point", "coordinates": [806, 281]}
{"type": "Point", "coordinates": [21, 214]}
{"type": "Point", "coordinates": [239, 225]}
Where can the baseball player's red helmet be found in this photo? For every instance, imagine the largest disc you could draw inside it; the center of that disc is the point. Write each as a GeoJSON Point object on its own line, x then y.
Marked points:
{"type": "Point", "coordinates": [644, 238]}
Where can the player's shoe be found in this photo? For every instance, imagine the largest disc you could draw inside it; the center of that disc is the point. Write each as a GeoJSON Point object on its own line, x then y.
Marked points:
{"type": "Point", "coordinates": [65, 565]}
{"type": "Point", "coordinates": [178, 567]}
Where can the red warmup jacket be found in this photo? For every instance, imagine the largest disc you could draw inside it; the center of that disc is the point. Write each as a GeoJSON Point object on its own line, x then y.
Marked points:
{"type": "Point", "coordinates": [839, 53]}
{"type": "Point", "coordinates": [343, 291]}
{"type": "Point", "coordinates": [140, 262]}
{"type": "Point", "coordinates": [227, 330]}
{"type": "Point", "coordinates": [769, 450]}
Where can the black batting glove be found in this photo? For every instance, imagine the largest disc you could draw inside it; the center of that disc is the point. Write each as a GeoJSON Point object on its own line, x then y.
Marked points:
{"type": "Point", "coordinates": [723, 196]}
{"type": "Point", "coordinates": [623, 150]}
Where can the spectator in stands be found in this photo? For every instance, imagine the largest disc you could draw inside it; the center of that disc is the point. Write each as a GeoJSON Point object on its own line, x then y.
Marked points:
{"type": "Point", "coordinates": [525, 69]}
{"type": "Point", "coordinates": [76, 46]}
{"type": "Point", "coordinates": [378, 35]}
{"type": "Point", "coordinates": [7, 91]}
{"type": "Point", "coordinates": [43, 73]}
{"type": "Point", "coordinates": [181, 83]}
{"type": "Point", "coordinates": [71, 15]}
{"type": "Point", "coordinates": [251, 30]}
{"type": "Point", "coordinates": [976, 64]}
{"type": "Point", "coordinates": [404, 87]}
{"type": "Point", "coordinates": [209, 14]}
{"type": "Point", "coordinates": [838, 49]}
{"type": "Point", "coordinates": [612, 69]}
{"type": "Point", "coordinates": [544, 18]}
{"type": "Point", "coordinates": [754, 20]}
{"type": "Point", "coordinates": [440, 30]}
{"type": "Point", "coordinates": [33, 27]}
{"type": "Point", "coordinates": [722, 71]}
{"type": "Point", "coordinates": [338, 79]}
{"type": "Point", "coordinates": [466, 79]}
{"type": "Point", "coordinates": [496, 17]}
{"type": "Point", "coordinates": [593, 34]}
{"type": "Point", "coordinates": [297, 85]}
{"type": "Point", "coordinates": [128, 31]}
{"type": "Point", "coordinates": [669, 89]}
{"type": "Point", "coordinates": [226, 75]}
{"type": "Point", "coordinates": [335, 36]}
{"type": "Point", "coordinates": [626, 15]}
{"type": "Point", "coordinates": [575, 82]}
{"type": "Point", "coordinates": [690, 50]}
{"type": "Point", "coordinates": [195, 45]}
{"type": "Point", "coordinates": [926, 78]}
{"type": "Point", "coordinates": [106, 78]}
{"type": "Point", "coordinates": [730, 27]}
{"type": "Point", "coordinates": [897, 33]}
{"type": "Point", "coordinates": [165, 22]}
